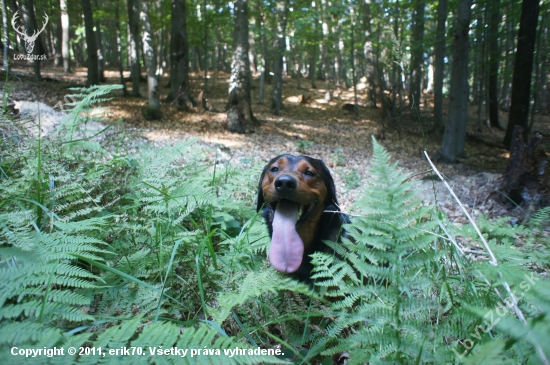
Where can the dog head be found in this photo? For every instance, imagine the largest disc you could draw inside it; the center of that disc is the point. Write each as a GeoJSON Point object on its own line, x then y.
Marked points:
{"type": "Point", "coordinates": [293, 194]}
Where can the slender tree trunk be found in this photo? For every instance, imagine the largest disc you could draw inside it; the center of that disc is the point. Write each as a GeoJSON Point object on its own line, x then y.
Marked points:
{"type": "Point", "coordinates": [455, 129]}
{"type": "Point", "coordinates": [505, 96]}
{"type": "Point", "coordinates": [29, 19]}
{"type": "Point", "coordinates": [494, 55]}
{"type": "Point", "coordinates": [480, 66]}
{"type": "Point", "coordinates": [342, 71]}
{"type": "Point", "coordinates": [100, 48]}
{"type": "Point", "coordinates": [133, 44]}
{"type": "Point", "coordinates": [65, 37]}
{"type": "Point", "coordinates": [153, 111]}
{"type": "Point", "coordinates": [239, 116]}
{"type": "Point", "coordinates": [57, 35]}
{"type": "Point", "coordinates": [119, 48]}
{"type": "Point", "coordinates": [417, 54]}
{"type": "Point", "coordinates": [263, 45]}
{"type": "Point", "coordinates": [325, 45]}
{"type": "Point", "coordinates": [352, 56]}
{"type": "Point", "coordinates": [312, 61]}
{"type": "Point", "coordinates": [93, 62]}
{"type": "Point", "coordinates": [439, 63]}
{"type": "Point", "coordinates": [282, 14]}
{"type": "Point", "coordinates": [523, 66]}
{"type": "Point", "coordinates": [6, 36]}
{"type": "Point", "coordinates": [368, 52]}
{"type": "Point", "coordinates": [205, 48]}
{"type": "Point", "coordinates": [179, 57]}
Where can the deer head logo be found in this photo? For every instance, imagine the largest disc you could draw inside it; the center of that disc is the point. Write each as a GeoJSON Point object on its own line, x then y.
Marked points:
{"type": "Point", "coordinates": [29, 39]}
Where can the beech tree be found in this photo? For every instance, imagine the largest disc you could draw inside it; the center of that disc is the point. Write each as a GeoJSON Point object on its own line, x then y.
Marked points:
{"type": "Point", "coordinates": [282, 14]}
{"type": "Point", "coordinates": [93, 61]}
{"type": "Point", "coordinates": [239, 114]}
{"type": "Point", "coordinates": [439, 63]}
{"type": "Point", "coordinates": [179, 56]}
{"type": "Point", "coordinates": [153, 110]}
{"type": "Point", "coordinates": [133, 44]}
{"type": "Point", "coordinates": [523, 66]}
{"type": "Point", "coordinates": [455, 129]}
{"type": "Point", "coordinates": [65, 36]}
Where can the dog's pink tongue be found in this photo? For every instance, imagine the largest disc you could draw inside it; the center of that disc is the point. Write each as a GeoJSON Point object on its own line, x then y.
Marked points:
{"type": "Point", "coordinates": [287, 249]}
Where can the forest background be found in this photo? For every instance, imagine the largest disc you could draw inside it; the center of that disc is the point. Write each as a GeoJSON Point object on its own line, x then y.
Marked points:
{"type": "Point", "coordinates": [142, 236]}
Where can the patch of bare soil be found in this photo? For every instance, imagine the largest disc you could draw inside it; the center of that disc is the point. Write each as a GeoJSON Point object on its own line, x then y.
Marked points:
{"type": "Point", "coordinates": [320, 128]}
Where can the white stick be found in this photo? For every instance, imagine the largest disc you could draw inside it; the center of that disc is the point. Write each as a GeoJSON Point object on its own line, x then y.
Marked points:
{"type": "Point", "coordinates": [493, 260]}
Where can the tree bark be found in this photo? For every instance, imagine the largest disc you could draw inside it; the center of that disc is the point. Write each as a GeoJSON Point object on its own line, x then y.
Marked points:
{"type": "Point", "coordinates": [439, 63]}
{"type": "Point", "coordinates": [324, 49]}
{"type": "Point", "coordinates": [119, 48]}
{"type": "Point", "coordinates": [239, 116]}
{"type": "Point", "coordinates": [282, 14]}
{"type": "Point", "coordinates": [153, 111]}
{"type": "Point", "coordinates": [6, 36]}
{"type": "Point", "coordinates": [455, 129]}
{"type": "Point", "coordinates": [179, 57]}
{"type": "Point", "coordinates": [368, 52]}
{"type": "Point", "coordinates": [417, 54]}
{"type": "Point", "coordinates": [100, 48]}
{"type": "Point", "coordinates": [133, 44]}
{"type": "Point", "coordinates": [494, 54]}
{"type": "Point", "coordinates": [65, 37]}
{"type": "Point", "coordinates": [93, 61]}
{"type": "Point", "coordinates": [523, 66]}
{"type": "Point", "coordinates": [263, 45]}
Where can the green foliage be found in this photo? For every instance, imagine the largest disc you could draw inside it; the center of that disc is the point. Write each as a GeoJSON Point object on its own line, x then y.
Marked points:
{"type": "Point", "coordinates": [303, 145]}
{"type": "Point", "coordinates": [91, 235]}
{"type": "Point", "coordinates": [352, 179]}
{"type": "Point", "coordinates": [100, 247]}
{"type": "Point", "coordinates": [338, 157]}
{"type": "Point", "coordinates": [401, 294]}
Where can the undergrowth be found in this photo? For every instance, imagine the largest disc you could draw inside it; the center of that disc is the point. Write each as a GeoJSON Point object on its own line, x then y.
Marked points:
{"type": "Point", "coordinates": [102, 247]}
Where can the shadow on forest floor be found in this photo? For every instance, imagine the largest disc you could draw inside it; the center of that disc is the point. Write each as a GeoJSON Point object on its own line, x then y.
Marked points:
{"type": "Point", "coordinates": [321, 129]}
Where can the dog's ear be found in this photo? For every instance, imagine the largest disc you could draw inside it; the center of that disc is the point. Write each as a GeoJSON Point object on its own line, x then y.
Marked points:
{"type": "Point", "coordinates": [331, 188]}
{"type": "Point", "coordinates": [261, 200]}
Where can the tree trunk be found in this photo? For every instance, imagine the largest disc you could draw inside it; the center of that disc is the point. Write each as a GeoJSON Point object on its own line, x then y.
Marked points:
{"type": "Point", "coordinates": [65, 37]}
{"type": "Point", "coordinates": [29, 19]}
{"type": "Point", "coordinates": [455, 129]}
{"type": "Point", "coordinates": [179, 57]}
{"type": "Point", "coordinates": [93, 62]}
{"type": "Point", "coordinates": [6, 37]}
{"type": "Point", "coordinates": [368, 52]}
{"type": "Point", "coordinates": [417, 54]}
{"type": "Point", "coordinates": [239, 116]}
{"type": "Point", "coordinates": [494, 54]}
{"type": "Point", "coordinates": [352, 59]}
{"type": "Point", "coordinates": [119, 48]}
{"type": "Point", "coordinates": [153, 111]}
{"type": "Point", "coordinates": [205, 47]}
{"type": "Point", "coordinates": [133, 44]}
{"type": "Point", "coordinates": [312, 61]}
{"type": "Point", "coordinates": [100, 48]}
{"type": "Point", "coordinates": [439, 63]}
{"type": "Point", "coordinates": [523, 66]}
{"type": "Point", "coordinates": [325, 45]}
{"type": "Point", "coordinates": [505, 96]}
{"type": "Point", "coordinates": [282, 14]}
{"type": "Point", "coordinates": [263, 45]}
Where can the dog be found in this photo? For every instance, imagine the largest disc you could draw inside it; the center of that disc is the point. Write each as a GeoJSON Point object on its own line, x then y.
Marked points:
{"type": "Point", "coordinates": [297, 198]}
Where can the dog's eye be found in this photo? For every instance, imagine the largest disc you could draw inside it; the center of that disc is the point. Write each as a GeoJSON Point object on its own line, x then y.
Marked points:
{"type": "Point", "coordinates": [309, 173]}
{"type": "Point", "coordinates": [274, 169]}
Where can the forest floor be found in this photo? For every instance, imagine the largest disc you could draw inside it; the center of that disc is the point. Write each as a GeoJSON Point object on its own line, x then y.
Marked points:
{"type": "Point", "coordinates": [320, 129]}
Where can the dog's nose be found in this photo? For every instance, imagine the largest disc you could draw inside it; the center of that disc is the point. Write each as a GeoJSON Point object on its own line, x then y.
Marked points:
{"type": "Point", "coordinates": [285, 184]}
